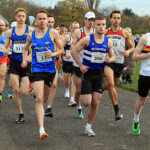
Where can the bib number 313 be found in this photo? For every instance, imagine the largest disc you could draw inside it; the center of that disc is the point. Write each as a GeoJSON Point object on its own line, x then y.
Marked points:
{"type": "Point", "coordinates": [18, 48]}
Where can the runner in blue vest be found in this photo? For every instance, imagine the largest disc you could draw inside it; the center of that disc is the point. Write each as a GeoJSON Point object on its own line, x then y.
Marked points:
{"type": "Point", "coordinates": [18, 35]}
{"type": "Point", "coordinates": [42, 42]}
{"type": "Point", "coordinates": [95, 48]}
{"type": "Point", "coordinates": [3, 59]}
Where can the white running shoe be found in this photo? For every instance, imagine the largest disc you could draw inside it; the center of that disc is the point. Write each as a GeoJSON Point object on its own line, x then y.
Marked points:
{"type": "Point", "coordinates": [67, 95]}
{"type": "Point", "coordinates": [72, 103]}
{"type": "Point", "coordinates": [89, 131]}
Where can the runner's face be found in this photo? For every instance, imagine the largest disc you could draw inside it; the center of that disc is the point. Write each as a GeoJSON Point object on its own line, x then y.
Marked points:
{"type": "Point", "coordinates": [89, 22]}
{"type": "Point", "coordinates": [115, 20]}
{"type": "Point", "coordinates": [41, 20]}
{"type": "Point", "coordinates": [2, 26]}
{"type": "Point", "coordinates": [51, 22]}
{"type": "Point", "coordinates": [58, 29]}
{"type": "Point", "coordinates": [20, 17]}
{"type": "Point", "coordinates": [74, 27]}
{"type": "Point", "coordinates": [100, 26]}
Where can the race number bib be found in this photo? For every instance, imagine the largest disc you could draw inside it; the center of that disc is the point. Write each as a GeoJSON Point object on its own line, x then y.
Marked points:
{"type": "Point", "coordinates": [68, 52]}
{"type": "Point", "coordinates": [116, 43]}
{"type": "Point", "coordinates": [42, 58]}
{"type": "Point", "coordinates": [1, 47]}
{"type": "Point", "coordinates": [98, 57]}
{"type": "Point", "coordinates": [18, 48]}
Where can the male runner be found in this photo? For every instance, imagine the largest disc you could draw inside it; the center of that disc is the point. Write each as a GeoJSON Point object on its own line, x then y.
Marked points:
{"type": "Point", "coordinates": [18, 35]}
{"type": "Point", "coordinates": [68, 64]}
{"type": "Point", "coordinates": [3, 59]}
{"type": "Point", "coordinates": [80, 34]}
{"type": "Point", "coordinates": [43, 42]}
{"type": "Point", "coordinates": [112, 71]}
{"type": "Point", "coordinates": [95, 48]}
{"type": "Point", "coordinates": [50, 99]}
{"type": "Point", "coordinates": [142, 52]}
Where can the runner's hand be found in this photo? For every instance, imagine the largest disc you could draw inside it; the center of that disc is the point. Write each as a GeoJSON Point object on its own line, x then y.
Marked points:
{"type": "Point", "coordinates": [125, 53]}
{"type": "Point", "coordinates": [84, 69]}
{"type": "Point", "coordinates": [5, 51]}
{"type": "Point", "coordinates": [107, 58]}
{"type": "Point", "coordinates": [24, 64]}
{"type": "Point", "coordinates": [48, 53]}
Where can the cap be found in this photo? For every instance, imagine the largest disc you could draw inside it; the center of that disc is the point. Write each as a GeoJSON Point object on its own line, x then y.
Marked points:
{"type": "Point", "coordinates": [89, 15]}
{"type": "Point", "coordinates": [14, 23]}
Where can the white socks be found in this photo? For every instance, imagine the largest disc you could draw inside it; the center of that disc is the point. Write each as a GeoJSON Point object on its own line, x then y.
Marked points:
{"type": "Point", "coordinates": [41, 130]}
{"type": "Point", "coordinates": [136, 118]}
{"type": "Point", "coordinates": [88, 125]}
{"type": "Point", "coordinates": [79, 107]}
{"type": "Point", "coordinates": [49, 106]}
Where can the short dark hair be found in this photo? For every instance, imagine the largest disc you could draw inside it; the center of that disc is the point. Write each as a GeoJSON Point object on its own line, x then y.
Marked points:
{"type": "Point", "coordinates": [51, 15]}
{"type": "Point", "coordinates": [56, 26]}
{"type": "Point", "coordinates": [62, 25]}
{"type": "Point", "coordinates": [100, 18]}
{"type": "Point", "coordinates": [41, 11]}
{"type": "Point", "coordinates": [20, 10]}
{"type": "Point", "coordinates": [115, 12]}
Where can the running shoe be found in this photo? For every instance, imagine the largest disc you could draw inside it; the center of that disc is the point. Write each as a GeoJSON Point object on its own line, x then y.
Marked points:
{"type": "Point", "coordinates": [118, 117]}
{"type": "Point", "coordinates": [79, 114]}
{"type": "Point", "coordinates": [136, 128]}
{"type": "Point", "coordinates": [72, 103]}
{"type": "Point", "coordinates": [43, 136]}
{"type": "Point", "coordinates": [0, 98]}
{"type": "Point", "coordinates": [20, 120]}
{"type": "Point", "coordinates": [9, 95]}
{"type": "Point", "coordinates": [89, 131]}
{"type": "Point", "coordinates": [48, 113]}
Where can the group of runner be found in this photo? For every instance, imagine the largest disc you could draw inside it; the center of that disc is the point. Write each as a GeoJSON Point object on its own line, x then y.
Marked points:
{"type": "Point", "coordinates": [88, 53]}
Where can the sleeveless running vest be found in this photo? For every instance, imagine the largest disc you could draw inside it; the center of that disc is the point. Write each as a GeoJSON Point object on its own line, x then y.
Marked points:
{"type": "Point", "coordinates": [118, 44]}
{"type": "Point", "coordinates": [18, 43]}
{"type": "Point", "coordinates": [94, 55]}
{"type": "Point", "coordinates": [67, 48]}
{"type": "Point", "coordinates": [145, 63]}
{"type": "Point", "coordinates": [80, 54]}
{"type": "Point", "coordinates": [40, 63]}
{"type": "Point", "coordinates": [2, 42]}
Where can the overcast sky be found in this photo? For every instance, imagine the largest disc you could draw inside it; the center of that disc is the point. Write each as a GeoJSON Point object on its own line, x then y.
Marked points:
{"type": "Point", "coordinates": [140, 7]}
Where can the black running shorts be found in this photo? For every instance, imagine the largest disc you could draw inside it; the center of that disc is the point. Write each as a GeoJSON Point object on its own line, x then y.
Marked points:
{"type": "Point", "coordinates": [92, 81]}
{"type": "Point", "coordinates": [15, 68]}
{"type": "Point", "coordinates": [43, 76]}
{"type": "Point", "coordinates": [143, 85]}
{"type": "Point", "coordinates": [77, 71]}
{"type": "Point", "coordinates": [67, 67]}
{"type": "Point", "coordinates": [117, 68]}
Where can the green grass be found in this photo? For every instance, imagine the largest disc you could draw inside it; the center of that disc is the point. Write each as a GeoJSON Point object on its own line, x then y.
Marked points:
{"type": "Point", "coordinates": [133, 86]}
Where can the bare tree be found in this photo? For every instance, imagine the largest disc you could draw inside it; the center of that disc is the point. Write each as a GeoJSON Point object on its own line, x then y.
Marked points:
{"type": "Point", "coordinates": [93, 4]}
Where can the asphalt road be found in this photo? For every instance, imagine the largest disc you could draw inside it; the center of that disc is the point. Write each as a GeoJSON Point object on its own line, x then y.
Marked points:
{"type": "Point", "coordinates": [66, 132]}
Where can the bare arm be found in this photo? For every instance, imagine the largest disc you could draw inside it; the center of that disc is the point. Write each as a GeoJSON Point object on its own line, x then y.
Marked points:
{"type": "Point", "coordinates": [66, 39]}
{"type": "Point", "coordinates": [60, 50]}
{"type": "Point", "coordinates": [129, 43]}
{"type": "Point", "coordinates": [30, 29]}
{"type": "Point", "coordinates": [137, 55]}
{"type": "Point", "coordinates": [76, 38]}
{"type": "Point", "coordinates": [25, 51]}
{"type": "Point", "coordinates": [111, 57]}
{"type": "Point", "coordinates": [7, 42]}
{"type": "Point", "coordinates": [79, 47]}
